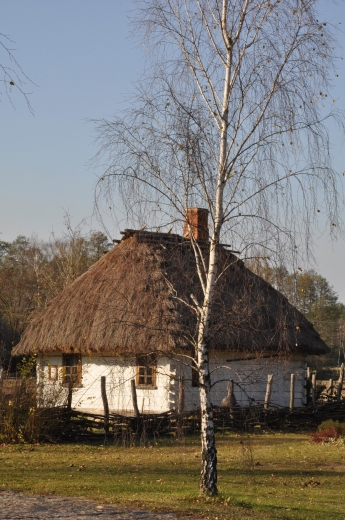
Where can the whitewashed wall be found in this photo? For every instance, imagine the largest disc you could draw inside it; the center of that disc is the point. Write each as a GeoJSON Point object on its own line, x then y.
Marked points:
{"type": "Point", "coordinates": [250, 379]}
{"type": "Point", "coordinates": [249, 376]}
{"type": "Point", "coordinates": [118, 372]}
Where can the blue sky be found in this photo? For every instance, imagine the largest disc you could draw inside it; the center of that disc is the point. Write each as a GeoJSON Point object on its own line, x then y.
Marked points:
{"type": "Point", "coordinates": [79, 55]}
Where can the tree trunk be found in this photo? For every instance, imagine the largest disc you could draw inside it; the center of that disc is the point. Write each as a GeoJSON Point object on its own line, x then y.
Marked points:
{"type": "Point", "coordinates": [208, 480]}
{"type": "Point", "coordinates": [208, 483]}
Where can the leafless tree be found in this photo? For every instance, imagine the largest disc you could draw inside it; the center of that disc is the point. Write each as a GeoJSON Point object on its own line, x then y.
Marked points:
{"type": "Point", "coordinates": [13, 76]}
{"type": "Point", "coordinates": [33, 272]}
{"type": "Point", "coordinates": [231, 115]}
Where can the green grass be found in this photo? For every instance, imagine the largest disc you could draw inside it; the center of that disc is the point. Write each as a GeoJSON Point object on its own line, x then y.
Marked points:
{"type": "Point", "coordinates": [267, 476]}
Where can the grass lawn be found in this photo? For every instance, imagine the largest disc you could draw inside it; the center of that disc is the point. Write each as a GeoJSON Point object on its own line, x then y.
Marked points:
{"type": "Point", "coordinates": [264, 476]}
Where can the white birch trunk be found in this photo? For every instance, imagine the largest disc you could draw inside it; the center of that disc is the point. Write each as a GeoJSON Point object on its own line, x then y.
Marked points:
{"type": "Point", "coordinates": [208, 482]}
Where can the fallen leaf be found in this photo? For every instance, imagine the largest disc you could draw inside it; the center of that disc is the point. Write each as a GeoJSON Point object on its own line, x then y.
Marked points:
{"type": "Point", "coordinates": [311, 482]}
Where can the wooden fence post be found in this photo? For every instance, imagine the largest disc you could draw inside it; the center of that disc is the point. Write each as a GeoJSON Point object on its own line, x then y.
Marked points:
{"type": "Point", "coordinates": [340, 382]}
{"type": "Point", "coordinates": [69, 396]}
{"type": "Point", "coordinates": [313, 389]}
{"type": "Point", "coordinates": [134, 399]}
{"type": "Point", "coordinates": [40, 386]}
{"type": "Point", "coordinates": [105, 404]}
{"type": "Point", "coordinates": [292, 391]}
{"type": "Point", "coordinates": [330, 388]}
{"type": "Point", "coordinates": [180, 404]}
{"type": "Point", "coordinates": [231, 393]}
{"type": "Point", "coordinates": [230, 399]}
{"type": "Point", "coordinates": [268, 391]}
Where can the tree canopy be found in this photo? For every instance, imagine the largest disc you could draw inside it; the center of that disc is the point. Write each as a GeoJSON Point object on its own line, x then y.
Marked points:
{"type": "Point", "coordinates": [32, 272]}
{"type": "Point", "coordinates": [312, 295]}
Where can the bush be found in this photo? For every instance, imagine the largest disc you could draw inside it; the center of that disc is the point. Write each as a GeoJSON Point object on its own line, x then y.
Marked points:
{"type": "Point", "coordinates": [328, 431]}
{"type": "Point", "coordinates": [21, 420]}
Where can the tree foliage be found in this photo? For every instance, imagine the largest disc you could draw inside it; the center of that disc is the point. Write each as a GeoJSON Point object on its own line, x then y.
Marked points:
{"type": "Point", "coordinates": [312, 295]}
{"type": "Point", "coordinates": [32, 272]}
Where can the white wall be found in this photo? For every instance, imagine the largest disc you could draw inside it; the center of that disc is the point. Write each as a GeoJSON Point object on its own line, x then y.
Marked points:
{"type": "Point", "coordinates": [249, 376]}
{"type": "Point", "coordinates": [118, 372]}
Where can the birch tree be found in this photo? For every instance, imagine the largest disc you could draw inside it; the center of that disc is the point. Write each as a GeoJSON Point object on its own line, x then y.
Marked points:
{"type": "Point", "coordinates": [13, 77]}
{"type": "Point", "coordinates": [230, 115]}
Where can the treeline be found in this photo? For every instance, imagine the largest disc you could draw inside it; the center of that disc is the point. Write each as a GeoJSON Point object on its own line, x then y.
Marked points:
{"type": "Point", "coordinates": [32, 272]}
{"type": "Point", "coordinates": [312, 295]}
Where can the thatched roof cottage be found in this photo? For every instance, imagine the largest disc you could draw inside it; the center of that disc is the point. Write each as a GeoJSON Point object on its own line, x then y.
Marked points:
{"type": "Point", "coordinates": [126, 318]}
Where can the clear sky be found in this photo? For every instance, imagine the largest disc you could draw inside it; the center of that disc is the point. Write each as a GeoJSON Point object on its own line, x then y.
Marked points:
{"type": "Point", "coordinates": [78, 54]}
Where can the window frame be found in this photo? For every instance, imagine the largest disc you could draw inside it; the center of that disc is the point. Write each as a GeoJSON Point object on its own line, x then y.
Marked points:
{"type": "Point", "coordinates": [78, 382]}
{"type": "Point", "coordinates": [53, 372]}
{"type": "Point", "coordinates": [146, 367]}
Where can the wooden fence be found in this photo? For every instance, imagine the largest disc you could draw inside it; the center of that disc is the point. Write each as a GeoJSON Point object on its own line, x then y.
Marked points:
{"type": "Point", "coordinates": [325, 401]}
{"type": "Point", "coordinates": [128, 430]}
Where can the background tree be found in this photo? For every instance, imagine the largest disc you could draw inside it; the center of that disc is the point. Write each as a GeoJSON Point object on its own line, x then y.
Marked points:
{"type": "Point", "coordinates": [230, 115]}
{"type": "Point", "coordinates": [312, 295]}
{"type": "Point", "coordinates": [32, 272]}
{"type": "Point", "coordinates": [72, 254]}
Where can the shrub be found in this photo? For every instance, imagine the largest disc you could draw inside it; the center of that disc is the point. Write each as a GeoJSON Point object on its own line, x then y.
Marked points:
{"type": "Point", "coordinates": [21, 420]}
{"type": "Point", "coordinates": [328, 431]}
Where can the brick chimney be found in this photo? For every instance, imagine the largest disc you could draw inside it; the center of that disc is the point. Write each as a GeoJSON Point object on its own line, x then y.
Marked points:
{"type": "Point", "coordinates": [197, 218]}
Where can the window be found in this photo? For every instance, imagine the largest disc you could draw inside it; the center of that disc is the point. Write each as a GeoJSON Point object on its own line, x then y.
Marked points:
{"type": "Point", "coordinates": [71, 369]}
{"type": "Point", "coordinates": [146, 371]}
{"type": "Point", "coordinates": [53, 372]}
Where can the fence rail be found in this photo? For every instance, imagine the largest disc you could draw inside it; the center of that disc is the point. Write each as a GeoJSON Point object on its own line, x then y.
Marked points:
{"type": "Point", "coordinates": [22, 419]}
{"type": "Point", "coordinates": [130, 429]}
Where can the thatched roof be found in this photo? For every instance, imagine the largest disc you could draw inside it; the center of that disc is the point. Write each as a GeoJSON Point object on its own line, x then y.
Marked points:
{"type": "Point", "coordinates": [131, 301]}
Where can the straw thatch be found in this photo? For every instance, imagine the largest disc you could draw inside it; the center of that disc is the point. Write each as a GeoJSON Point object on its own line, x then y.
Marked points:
{"type": "Point", "coordinates": [132, 301]}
